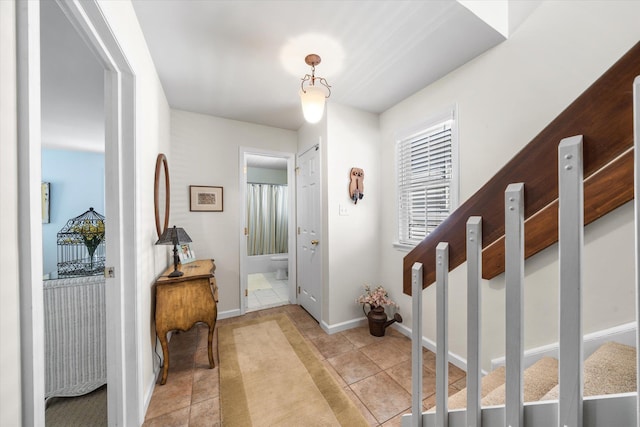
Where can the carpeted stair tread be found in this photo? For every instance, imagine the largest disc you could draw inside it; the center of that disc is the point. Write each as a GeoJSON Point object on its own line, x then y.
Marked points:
{"type": "Point", "coordinates": [539, 378]}
{"type": "Point", "coordinates": [610, 369]}
{"type": "Point", "coordinates": [489, 382]}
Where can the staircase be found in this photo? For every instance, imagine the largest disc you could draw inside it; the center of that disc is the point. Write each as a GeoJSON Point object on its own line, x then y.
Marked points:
{"type": "Point", "coordinates": [551, 392]}
{"type": "Point", "coordinates": [611, 369]}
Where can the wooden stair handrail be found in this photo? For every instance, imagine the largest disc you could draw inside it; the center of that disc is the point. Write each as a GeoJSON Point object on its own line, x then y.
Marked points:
{"type": "Point", "coordinates": [603, 114]}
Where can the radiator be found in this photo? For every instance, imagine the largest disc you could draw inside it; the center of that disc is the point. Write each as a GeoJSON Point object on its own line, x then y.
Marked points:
{"type": "Point", "coordinates": [75, 336]}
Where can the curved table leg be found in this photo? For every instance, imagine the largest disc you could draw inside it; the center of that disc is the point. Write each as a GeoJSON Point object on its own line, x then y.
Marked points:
{"type": "Point", "coordinates": [162, 336]}
{"type": "Point", "coordinates": [211, 329]}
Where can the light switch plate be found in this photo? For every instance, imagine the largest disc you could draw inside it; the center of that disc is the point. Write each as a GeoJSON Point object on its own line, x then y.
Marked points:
{"type": "Point", "coordinates": [344, 211]}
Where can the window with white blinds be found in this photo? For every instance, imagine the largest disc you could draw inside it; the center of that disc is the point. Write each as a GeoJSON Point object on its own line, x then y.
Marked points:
{"type": "Point", "coordinates": [426, 176]}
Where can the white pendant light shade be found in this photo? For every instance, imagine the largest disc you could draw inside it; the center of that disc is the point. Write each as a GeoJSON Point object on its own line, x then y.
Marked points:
{"type": "Point", "coordinates": [312, 100]}
{"type": "Point", "coordinates": [313, 97]}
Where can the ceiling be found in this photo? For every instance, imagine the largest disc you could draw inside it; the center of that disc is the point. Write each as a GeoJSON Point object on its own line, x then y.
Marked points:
{"type": "Point", "coordinates": [72, 86]}
{"type": "Point", "coordinates": [243, 60]}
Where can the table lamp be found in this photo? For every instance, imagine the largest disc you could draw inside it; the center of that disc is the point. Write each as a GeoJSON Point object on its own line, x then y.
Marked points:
{"type": "Point", "coordinates": [174, 236]}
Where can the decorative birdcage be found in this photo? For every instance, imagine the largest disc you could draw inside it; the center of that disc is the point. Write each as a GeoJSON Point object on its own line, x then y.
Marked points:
{"type": "Point", "coordinates": [81, 246]}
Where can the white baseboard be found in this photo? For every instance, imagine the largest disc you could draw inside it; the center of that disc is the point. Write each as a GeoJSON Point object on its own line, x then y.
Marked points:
{"type": "Point", "coordinates": [404, 330]}
{"type": "Point", "coordinates": [623, 334]}
{"type": "Point", "coordinates": [343, 326]}
{"type": "Point", "coordinates": [150, 388]}
{"type": "Point", "coordinates": [229, 313]}
{"type": "Point", "coordinates": [454, 358]}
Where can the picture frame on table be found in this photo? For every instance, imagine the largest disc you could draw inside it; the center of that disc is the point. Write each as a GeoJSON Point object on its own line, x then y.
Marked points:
{"type": "Point", "coordinates": [186, 254]}
{"type": "Point", "coordinates": [204, 198]}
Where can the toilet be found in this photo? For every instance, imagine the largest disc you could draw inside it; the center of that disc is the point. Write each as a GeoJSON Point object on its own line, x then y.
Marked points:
{"type": "Point", "coordinates": [280, 263]}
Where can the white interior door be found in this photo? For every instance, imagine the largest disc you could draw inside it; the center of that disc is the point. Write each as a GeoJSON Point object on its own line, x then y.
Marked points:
{"type": "Point", "coordinates": [309, 223]}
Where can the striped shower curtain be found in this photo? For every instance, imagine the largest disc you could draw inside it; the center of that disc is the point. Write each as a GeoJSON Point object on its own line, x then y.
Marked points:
{"type": "Point", "coordinates": [267, 207]}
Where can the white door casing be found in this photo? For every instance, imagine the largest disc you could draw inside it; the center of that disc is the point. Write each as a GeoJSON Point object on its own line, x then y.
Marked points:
{"type": "Point", "coordinates": [244, 152]}
{"type": "Point", "coordinates": [309, 226]}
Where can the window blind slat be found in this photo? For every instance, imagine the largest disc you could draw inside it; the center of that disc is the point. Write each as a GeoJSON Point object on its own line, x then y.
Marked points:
{"type": "Point", "coordinates": [425, 171]}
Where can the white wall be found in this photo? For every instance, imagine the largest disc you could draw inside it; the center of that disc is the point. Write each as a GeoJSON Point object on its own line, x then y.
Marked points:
{"type": "Point", "coordinates": [353, 140]}
{"type": "Point", "coordinates": [205, 151]}
{"type": "Point", "coordinates": [505, 97]}
{"type": "Point", "coordinates": [10, 385]}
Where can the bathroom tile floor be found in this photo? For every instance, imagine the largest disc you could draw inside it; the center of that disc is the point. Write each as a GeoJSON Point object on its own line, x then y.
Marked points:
{"type": "Point", "coordinates": [375, 372]}
{"type": "Point", "coordinates": [272, 292]}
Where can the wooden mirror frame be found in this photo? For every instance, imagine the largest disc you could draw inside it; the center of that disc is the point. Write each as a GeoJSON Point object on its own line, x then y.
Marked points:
{"type": "Point", "coordinates": [161, 161]}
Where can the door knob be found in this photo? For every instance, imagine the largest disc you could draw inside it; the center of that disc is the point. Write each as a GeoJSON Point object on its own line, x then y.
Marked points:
{"type": "Point", "coordinates": [314, 242]}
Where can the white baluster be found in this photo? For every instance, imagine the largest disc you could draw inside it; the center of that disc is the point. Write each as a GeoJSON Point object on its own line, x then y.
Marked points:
{"type": "Point", "coordinates": [442, 333]}
{"type": "Point", "coordinates": [571, 238]}
{"type": "Point", "coordinates": [514, 277]}
{"type": "Point", "coordinates": [474, 273]}
{"type": "Point", "coordinates": [416, 345]}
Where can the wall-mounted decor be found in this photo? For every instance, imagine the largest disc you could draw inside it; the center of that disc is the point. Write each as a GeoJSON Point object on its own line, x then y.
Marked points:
{"type": "Point", "coordinates": [186, 254]}
{"type": "Point", "coordinates": [44, 193]}
{"type": "Point", "coordinates": [205, 199]}
{"type": "Point", "coordinates": [356, 185]}
{"type": "Point", "coordinates": [161, 194]}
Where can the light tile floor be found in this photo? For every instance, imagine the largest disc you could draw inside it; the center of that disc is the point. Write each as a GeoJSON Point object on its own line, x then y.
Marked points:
{"type": "Point", "coordinates": [276, 295]}
{"type": "Point", "coordinates": [375, 372]}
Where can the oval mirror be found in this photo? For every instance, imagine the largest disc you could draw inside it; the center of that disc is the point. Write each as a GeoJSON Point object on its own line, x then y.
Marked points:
{"type": "Point", "coordinates": [161, 194]}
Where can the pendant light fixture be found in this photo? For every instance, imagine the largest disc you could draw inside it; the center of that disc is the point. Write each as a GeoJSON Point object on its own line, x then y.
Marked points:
{"type": "Point", "coordinates": [313, 96]}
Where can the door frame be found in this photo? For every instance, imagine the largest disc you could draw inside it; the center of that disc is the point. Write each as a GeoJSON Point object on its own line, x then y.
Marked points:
{"type": "Point", "coordinates": [292, 241]}
{"type": "Point", "coordinates": [125, 406]}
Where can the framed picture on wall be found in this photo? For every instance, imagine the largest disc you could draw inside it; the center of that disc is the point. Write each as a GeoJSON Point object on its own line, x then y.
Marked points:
{"type": "Point", "coordinates": [205, 199]}
{"type": "Point", "coordinates": [186, 254]}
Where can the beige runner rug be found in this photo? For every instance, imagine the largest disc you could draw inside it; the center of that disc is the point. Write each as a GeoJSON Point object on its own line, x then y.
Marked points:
{"type": "Point", "coordinates": [270, 377]}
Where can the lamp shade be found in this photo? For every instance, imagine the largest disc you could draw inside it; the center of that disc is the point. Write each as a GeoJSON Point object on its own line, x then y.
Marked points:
{"type": "Point", "coordinates": [312, 104]}
{"type": "Point", "coordinates": [174, 236]}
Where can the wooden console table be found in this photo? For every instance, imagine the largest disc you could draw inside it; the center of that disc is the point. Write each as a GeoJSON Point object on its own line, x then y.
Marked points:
{"type": "Point", "coordinates": [183, 301]}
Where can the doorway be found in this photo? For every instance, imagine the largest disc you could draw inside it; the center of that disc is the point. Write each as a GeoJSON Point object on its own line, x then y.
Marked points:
{"type": "Point", "coordinates": [73, 172]}
{"type": "Point", "coordinates": [119, 125]}
{"type": "Point", "coordinates": [267, 258]}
